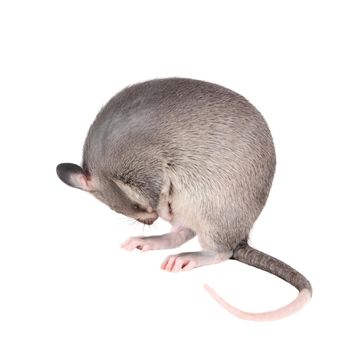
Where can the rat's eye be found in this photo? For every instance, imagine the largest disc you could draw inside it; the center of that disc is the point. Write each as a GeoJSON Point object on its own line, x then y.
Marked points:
{"type": "Point", "coordinates": [136, 207]}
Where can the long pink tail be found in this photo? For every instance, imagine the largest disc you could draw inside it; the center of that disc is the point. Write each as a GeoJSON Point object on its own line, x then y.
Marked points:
{"type": "Point", "coordinates": [303, 297]}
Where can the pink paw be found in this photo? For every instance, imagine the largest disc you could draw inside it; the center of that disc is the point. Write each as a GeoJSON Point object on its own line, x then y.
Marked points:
{"type": "Point", "coordinates": [179, 262]}
{"type": "Point", "coordinates": [138, 243]}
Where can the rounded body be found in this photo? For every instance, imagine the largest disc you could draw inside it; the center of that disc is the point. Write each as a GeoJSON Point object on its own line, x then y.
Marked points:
{"type": "Point", "coordinates": [192, 146]}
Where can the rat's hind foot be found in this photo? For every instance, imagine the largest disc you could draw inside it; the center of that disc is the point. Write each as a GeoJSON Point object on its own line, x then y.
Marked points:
{"type": "Point", "coordinates": [188, 261]}
{"type": "Point", "coordinates": [173, 239]}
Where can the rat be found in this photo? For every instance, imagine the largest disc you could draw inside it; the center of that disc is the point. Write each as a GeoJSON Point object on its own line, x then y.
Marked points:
{"type": "Point", "coordinates": [197, 155]}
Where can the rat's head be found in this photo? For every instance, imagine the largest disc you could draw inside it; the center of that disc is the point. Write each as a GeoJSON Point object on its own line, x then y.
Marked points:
{"type": "Point", "coordinates": [120, 197]}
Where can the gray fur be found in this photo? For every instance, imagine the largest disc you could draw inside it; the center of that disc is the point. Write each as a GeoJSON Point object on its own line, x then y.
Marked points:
{"type": "Point", "coordinates": [198, 146]}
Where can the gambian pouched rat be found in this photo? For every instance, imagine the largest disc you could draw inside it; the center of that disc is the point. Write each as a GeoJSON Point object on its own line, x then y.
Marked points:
{"type": "Point", "coordinates": [195, 154]}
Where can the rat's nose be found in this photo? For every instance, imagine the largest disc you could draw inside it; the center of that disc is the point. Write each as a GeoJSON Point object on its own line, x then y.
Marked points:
{"type": "Point", "coordinates": [148, 221]}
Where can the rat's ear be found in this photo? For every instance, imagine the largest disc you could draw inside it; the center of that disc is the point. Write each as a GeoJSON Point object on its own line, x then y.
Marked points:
{"type": "Point", "coordinates": [73, 175]}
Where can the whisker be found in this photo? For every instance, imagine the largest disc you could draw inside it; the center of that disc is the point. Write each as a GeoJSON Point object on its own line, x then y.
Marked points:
{"type": "Point", "coordinates": [126, 220]}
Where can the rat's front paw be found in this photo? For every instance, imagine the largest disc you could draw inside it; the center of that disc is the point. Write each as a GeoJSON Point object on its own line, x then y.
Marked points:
{"type": "Point", "coordinates": [147, 243]}
{"type": "Point", "coordinates": [138, 243]}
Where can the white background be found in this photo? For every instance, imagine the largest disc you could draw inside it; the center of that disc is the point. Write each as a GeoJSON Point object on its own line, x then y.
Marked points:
{"type": "Point", "coordinates": [65, 284]}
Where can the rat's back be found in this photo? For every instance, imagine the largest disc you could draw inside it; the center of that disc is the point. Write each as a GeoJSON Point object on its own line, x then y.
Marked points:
{"type": "Point", "coordinates": [178, 119]}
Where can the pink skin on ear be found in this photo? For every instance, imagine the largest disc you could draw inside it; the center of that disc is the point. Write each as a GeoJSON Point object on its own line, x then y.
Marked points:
{"type": "Point", "coordinates": [86, 184]}
{"type": "Point", "coordinates": [83, 182]}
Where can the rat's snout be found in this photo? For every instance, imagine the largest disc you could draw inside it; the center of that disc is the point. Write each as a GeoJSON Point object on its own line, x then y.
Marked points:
{"type": "Point", "coordinates": [147, 221]}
